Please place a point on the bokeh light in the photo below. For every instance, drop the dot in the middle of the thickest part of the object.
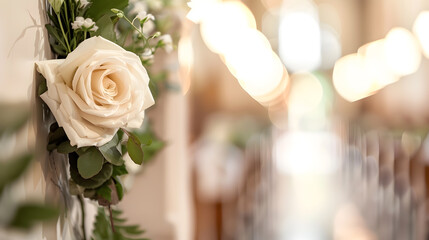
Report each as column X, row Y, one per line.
column 306, row 93
column 299, row 41
column 349, row 78
column 375, row 64
column 402, row 52
column 420, row 29
column 222, row 21
column 256, row 67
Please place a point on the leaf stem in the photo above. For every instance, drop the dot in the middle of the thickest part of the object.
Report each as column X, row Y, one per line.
column 111, row 218
column 64, row 34
column 82, row 208
column 67, row 18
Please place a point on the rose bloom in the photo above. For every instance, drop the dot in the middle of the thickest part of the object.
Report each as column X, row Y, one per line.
column 97, row 89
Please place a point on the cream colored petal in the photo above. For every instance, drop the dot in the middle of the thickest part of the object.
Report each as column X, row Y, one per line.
column 148, row 98
column 49, row 71
column 83, row 52
column 137, row 121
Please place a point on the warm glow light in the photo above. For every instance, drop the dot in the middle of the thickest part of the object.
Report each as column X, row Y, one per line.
column 186, row 60
column 331, row 47
column 229, row 29
column 402, row 52
column 251, row 60
column 299, row 41
column 375, row 64
column 350, row 79
column 420, row 28
column 200, row 9
column 306, row 93
column 293, row 156
column 221, row 23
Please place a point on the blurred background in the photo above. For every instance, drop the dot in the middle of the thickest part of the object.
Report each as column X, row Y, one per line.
column 308, row 119
column 295, row 119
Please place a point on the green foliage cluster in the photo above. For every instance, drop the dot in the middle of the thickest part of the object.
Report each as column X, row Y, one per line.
column 95, row 171
column 122, row 231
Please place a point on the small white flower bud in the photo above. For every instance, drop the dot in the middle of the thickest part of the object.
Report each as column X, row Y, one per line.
column 167, row 41
column 88, row 23
column 78, row 23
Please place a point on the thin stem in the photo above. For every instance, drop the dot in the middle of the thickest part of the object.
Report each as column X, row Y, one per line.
column 82, row 208
column 84, row 35
column 132, row 24
column 111, row 218
column 64, row 34
column 67, row 18
column 73, row 9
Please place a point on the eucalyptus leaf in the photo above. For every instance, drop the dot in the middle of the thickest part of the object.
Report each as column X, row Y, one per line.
column 90, row 163
column 119, row 170
column 57, row 136
column 66, row 147
column 111, row 152
column 105, row 192
column 135, row 149
column 95, row 181
column 30, row 213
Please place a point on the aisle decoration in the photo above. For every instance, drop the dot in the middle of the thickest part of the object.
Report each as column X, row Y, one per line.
column 98, row 90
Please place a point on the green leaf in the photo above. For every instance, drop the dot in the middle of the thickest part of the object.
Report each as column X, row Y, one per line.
column 54, row 33
column 30, row 213
column 134, row 149
column 151, row 144
column 105, row 192
column 152, row 149
column 42, row 87
column 56, row 5
column 11, row 169
column 82, row 150
column 111, row 153
column 131, row 229
column 102, row 229
column 90, row 163
column 106, row 28
column 56, row 136
column 94, row 182
column 66, row 147
column 102, row 7
column 119, row 170
column 119, row 188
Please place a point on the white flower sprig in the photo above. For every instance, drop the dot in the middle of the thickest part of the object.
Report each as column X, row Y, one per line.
column 85, row 24
column 166, row 42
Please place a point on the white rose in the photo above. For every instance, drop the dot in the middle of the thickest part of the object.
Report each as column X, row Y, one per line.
column 97, row 89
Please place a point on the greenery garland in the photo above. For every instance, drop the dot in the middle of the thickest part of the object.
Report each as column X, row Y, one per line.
column 96, row 171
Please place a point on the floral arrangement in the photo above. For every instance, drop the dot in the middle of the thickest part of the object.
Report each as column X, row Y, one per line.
column 98, row 90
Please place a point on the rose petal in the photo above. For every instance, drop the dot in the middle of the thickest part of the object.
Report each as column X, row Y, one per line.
column 83, row 52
